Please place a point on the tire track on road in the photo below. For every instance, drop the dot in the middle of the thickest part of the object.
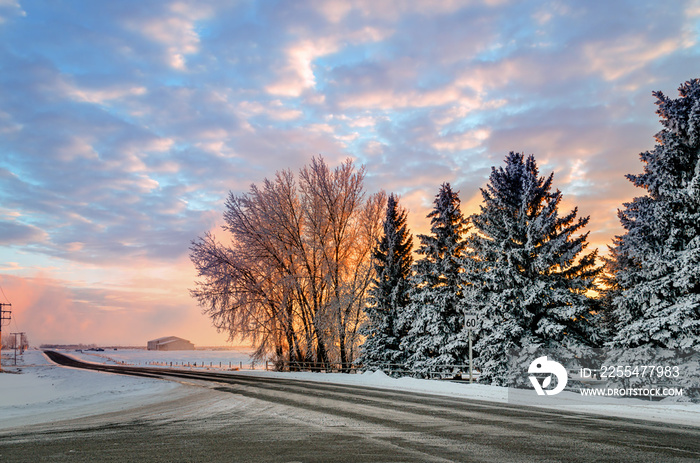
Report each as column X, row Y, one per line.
column 444, row 427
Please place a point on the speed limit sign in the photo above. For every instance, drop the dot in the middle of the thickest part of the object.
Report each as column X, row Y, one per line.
column 470, row 321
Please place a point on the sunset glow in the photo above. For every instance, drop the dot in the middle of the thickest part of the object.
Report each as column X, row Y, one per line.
column 124, row 125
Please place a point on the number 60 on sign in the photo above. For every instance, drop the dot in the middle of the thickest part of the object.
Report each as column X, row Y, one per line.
column 470, row 321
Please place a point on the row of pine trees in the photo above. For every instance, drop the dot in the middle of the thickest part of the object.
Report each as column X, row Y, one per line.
column 522, row 266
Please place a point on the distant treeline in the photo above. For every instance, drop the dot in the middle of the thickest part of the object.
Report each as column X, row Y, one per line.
column 85, row 346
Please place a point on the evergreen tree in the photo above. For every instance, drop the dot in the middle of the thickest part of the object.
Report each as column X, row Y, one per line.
column 526, row 278
column 388, row 295
column 656, row 262
column 609, row 291
column 436, row 320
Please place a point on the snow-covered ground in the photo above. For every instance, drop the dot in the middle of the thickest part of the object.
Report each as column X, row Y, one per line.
column 663, row 411
column 238, row 357
column 38, row 391
column 44, row 391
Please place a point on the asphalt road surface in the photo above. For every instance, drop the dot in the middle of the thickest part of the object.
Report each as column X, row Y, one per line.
column 232, row 418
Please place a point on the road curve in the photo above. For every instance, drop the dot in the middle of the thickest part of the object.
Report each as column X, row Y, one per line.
column 309, row 421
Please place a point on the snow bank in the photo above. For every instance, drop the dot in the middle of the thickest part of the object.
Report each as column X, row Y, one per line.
column 665, row 411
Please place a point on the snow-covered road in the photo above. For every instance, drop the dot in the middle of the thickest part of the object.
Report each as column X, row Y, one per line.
column 667, row 411
column 247, row 418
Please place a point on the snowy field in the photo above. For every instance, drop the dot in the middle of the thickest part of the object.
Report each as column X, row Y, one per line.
column 44, row 392
column 226, row 359
column 38, row 391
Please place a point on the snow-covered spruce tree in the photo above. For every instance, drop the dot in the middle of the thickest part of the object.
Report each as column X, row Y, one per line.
column 609, row 291
column 525, row 275
column 434, row 316
column 656, row 262
column 388, row 296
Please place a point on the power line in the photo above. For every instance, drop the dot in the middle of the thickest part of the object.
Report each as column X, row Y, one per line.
column 3, row 294
column 5, row 314
column 13, row 318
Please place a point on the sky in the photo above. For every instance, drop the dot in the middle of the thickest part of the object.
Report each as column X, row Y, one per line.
column 124, row 125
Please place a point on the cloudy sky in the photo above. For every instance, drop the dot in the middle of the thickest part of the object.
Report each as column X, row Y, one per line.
column 124, row 124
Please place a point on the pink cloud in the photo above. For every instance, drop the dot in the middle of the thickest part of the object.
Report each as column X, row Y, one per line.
column 629, row 53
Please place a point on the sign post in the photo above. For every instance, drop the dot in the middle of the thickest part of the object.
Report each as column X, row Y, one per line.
column 470, row 322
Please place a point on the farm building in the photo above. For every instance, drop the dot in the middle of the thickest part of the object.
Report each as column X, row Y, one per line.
column 170, row 343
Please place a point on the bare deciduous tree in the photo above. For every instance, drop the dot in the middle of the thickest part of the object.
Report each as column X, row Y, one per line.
column 294, row 278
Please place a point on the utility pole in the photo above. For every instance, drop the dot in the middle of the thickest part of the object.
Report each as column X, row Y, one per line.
column 4, row 315
column 21, row 344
